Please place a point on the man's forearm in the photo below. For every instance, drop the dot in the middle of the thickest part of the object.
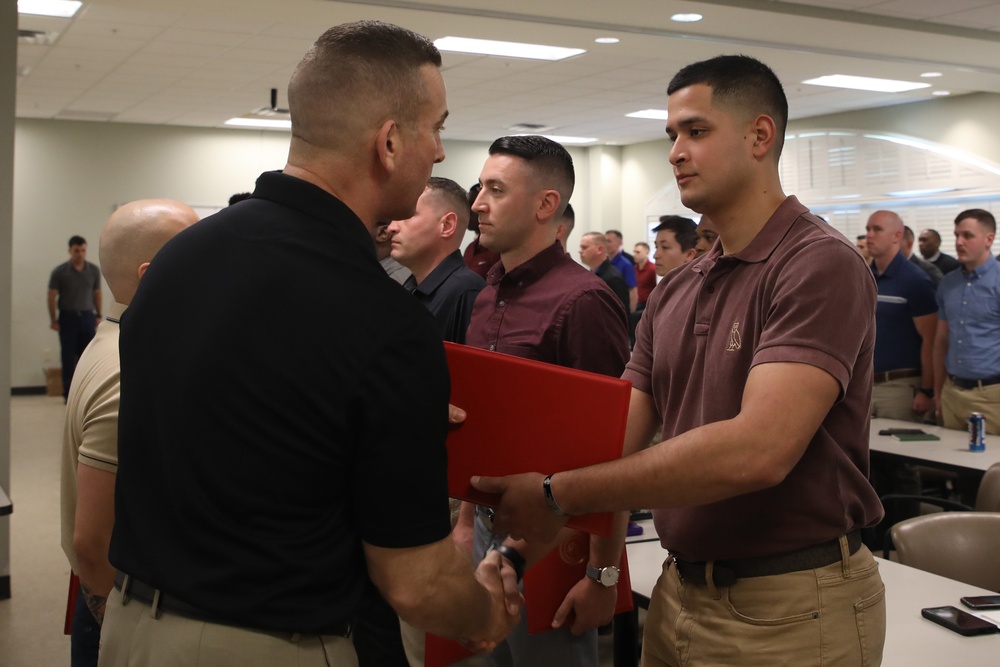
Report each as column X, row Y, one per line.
column 95, row 603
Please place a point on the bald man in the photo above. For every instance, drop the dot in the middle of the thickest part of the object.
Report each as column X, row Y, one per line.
column 130, row 238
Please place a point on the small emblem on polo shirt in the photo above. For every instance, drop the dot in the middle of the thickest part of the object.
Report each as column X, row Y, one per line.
column 734, row 338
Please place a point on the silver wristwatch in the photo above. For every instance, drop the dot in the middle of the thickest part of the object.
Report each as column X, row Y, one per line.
column 605, row 576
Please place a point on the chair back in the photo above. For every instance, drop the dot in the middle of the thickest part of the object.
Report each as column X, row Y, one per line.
column 988, row 497
column 958, row 545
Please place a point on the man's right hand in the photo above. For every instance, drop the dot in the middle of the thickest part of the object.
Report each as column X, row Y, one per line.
column 500, row 580
column 54, row 325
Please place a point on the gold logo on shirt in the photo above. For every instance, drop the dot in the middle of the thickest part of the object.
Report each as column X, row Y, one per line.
column 735, row 342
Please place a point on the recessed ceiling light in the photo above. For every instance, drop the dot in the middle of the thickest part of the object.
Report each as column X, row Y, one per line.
column 607, row 40
column 686, row 18
column 490, row 47
column 262, row 123
column 941, row 93
column 919, row 193
column 59, row 8
column 564, row 139
column 930, row 75
column 651, row 114
column 866, row 83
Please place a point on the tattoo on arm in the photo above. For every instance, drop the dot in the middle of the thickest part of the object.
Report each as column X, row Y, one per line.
column 95, row 603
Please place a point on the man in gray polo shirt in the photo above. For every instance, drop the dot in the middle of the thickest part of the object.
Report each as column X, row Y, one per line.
column 76, row 285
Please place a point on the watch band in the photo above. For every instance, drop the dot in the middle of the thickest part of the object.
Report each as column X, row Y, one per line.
column 926, row 391
column 605, row 576
column 510, row 553
column 550, row 500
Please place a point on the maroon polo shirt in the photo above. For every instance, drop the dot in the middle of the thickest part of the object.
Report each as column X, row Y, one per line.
column 551, row 309
column 645, row 281
column 479, row 258
column 801, row 293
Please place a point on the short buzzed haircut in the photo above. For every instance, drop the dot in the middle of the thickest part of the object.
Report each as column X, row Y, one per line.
column 742, row 84
column 569, row 218
column 614, row 232
column 473, row 216
column 551, row 162
column 934, row 232
column 598, row 237
column 862, row 237
column 77, row 240
column 985, row 218
column 454, row 197
column 908, row 233
column 685, row 230
column 643, row 244
column 357, row 76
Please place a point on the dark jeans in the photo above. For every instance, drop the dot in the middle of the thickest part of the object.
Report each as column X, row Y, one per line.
column 76, row 330
column 85, row 637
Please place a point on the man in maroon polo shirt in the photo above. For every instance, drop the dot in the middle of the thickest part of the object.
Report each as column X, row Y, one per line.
column 756, row 360
column 540, row 304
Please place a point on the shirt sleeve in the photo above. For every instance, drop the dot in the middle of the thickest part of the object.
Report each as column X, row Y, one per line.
column 822, row 316
column 401, row 485
column 939, row 298
column 54, row 279
column 628, row 272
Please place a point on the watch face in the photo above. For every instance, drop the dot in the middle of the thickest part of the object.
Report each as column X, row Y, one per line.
column 609, row 576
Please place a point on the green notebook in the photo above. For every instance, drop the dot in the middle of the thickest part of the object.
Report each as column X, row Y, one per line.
column 910, row 437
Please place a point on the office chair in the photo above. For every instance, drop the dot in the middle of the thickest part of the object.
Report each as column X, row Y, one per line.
column 958, row 545
column 987, row 500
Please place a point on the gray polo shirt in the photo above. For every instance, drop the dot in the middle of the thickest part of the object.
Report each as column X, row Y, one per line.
column 76, row 288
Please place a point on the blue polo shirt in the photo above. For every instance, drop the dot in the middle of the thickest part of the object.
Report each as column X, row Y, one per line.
column 620, row 262
column 904, row 292
column 970, row 303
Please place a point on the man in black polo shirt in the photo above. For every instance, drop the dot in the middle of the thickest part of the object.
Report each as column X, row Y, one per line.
column 427, row 244
column 76, row 285
column 261, row 486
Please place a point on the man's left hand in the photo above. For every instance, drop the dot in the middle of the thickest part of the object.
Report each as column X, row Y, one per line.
column 588, row 605
column 523, row 512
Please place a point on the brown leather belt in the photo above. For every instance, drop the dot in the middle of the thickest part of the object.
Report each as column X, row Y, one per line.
column 962, row 383
column 727, row 572
column 132, row 588
column 888, row 376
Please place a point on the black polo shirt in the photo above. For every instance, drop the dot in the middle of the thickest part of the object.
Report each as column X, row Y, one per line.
column 283, row 400
column 448, row 292
column 610, row 274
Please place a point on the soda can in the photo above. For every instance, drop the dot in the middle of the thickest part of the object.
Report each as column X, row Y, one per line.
column 977, row 432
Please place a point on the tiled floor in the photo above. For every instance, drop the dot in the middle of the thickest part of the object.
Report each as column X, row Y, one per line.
column 31, row 622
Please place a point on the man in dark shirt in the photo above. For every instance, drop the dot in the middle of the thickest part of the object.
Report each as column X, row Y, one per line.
column 929, row 243
column 625, row 263
column 427, row 244
column 760, row 376
column 478, row 257
column 594, row 255
column 261, row 486
column 76, row 285
column 540, row 304
column 906, row 247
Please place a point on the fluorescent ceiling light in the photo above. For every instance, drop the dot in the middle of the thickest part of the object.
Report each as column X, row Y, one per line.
column 930, row 75
column 489, row 47
column 686, row 18
column 919, row 193
column 607, row 40
column 866, row 83
column 941, row 93
column 651, row 114
column 59, row 8
column 562, row 139
column 264, row 123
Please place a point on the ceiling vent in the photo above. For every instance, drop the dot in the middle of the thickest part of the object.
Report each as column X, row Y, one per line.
column 36, row 37
column 530, row 128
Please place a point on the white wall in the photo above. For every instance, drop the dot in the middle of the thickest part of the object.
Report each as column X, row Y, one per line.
column 69, row 176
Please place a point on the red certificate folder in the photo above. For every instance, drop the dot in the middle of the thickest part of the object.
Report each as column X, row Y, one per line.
column 529, row 416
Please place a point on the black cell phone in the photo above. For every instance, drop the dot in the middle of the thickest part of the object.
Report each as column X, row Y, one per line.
column 959, row 621
column 982, row 602
column 901, row 431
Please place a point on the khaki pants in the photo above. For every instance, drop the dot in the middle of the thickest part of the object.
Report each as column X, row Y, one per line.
column 131, row 637
column 894, row 399
column 957, row 403
column 833, row 615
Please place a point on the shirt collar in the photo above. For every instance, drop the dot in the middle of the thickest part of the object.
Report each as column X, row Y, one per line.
column 983, row 269
column 529, row 271
column 114, row 312
column 448, row 266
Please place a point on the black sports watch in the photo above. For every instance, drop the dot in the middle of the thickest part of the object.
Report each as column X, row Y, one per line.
column 511, row 554
column 605, row 576
column 926, row 391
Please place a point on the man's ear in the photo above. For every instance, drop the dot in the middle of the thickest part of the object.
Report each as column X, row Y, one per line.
column 449, row 224
column 387, row 145
column 548, row 204
column 764, row 130
column 142, row 269
column 690, row 255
